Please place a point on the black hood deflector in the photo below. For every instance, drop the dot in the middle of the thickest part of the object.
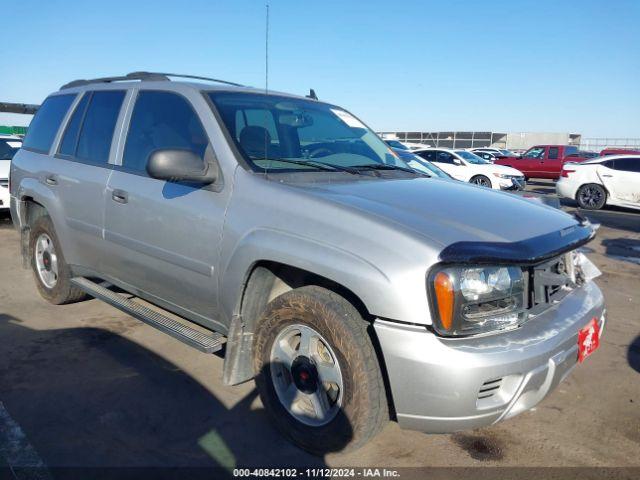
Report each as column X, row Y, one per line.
column 526, row 252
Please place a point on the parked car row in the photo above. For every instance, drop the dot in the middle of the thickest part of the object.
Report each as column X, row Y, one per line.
column 408, row 146
column 468, row 167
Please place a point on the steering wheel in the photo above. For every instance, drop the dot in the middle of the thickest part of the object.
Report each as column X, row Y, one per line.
column 320, row 152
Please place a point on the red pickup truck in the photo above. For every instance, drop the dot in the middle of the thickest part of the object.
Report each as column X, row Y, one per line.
column 545, row 161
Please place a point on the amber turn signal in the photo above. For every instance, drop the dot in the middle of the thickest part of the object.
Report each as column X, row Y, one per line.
column 443, row 287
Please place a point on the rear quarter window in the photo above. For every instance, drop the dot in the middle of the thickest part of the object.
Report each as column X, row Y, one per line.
column 630, row 164
column 46, row 122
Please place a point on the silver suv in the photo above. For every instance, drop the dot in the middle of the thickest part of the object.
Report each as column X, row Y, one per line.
column 351, row 287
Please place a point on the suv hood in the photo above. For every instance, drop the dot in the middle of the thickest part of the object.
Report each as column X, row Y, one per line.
column 446, row 212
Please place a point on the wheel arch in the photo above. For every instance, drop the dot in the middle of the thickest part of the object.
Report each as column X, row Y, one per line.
column 481, row 175
column 264, row 281
column 29, row 210
column 604, row 187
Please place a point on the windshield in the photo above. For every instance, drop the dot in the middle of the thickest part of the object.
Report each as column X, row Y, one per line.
column 302, row 133
column 471, row 157
column 8, row 148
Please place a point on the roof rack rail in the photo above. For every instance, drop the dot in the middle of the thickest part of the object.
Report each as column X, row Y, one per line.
column 194, row 77
column 142, row 76
column 130, row 76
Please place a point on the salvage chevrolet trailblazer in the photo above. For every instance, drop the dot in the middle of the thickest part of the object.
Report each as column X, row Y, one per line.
column 351, row 287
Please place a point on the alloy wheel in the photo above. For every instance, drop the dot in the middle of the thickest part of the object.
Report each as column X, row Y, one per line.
column 46, row 260
column 306, row 375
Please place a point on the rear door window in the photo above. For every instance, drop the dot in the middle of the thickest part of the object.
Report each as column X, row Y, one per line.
column 162, row 120
column 46, row 123
column 631, row 164
column 553, row 153
column 89, row 133
column 97, row 128
column 429, row 155
column 444, row 157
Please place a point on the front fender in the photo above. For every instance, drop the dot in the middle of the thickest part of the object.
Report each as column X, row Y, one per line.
column 351, row 271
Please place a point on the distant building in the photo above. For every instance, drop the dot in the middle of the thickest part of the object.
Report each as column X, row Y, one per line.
column 514, row 141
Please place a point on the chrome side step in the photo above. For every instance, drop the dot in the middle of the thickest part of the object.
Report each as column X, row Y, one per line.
column 207, row 343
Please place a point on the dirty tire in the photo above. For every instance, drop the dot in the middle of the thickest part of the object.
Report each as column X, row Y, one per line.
column 481, row 181
column 63, row 291
column 591, row 196
column 364, row 409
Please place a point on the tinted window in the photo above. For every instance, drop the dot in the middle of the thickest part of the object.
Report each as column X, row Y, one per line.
column 70, row 137
column 570, row 149
column 553, row 153
column 8, row 148
column 444, row 157
column 162, row 120
column 428, row 155
column 631, row 164
column 46, row 122
column 535, row 152
column 98, row 125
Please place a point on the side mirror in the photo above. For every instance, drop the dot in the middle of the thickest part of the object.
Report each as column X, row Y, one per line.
column 177, row 165
column 457, row 161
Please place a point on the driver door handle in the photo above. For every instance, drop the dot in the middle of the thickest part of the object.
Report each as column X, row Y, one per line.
column 607, row 176
column 120, row 196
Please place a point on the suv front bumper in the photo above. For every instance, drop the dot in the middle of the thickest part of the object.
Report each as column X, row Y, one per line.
column 444, row 385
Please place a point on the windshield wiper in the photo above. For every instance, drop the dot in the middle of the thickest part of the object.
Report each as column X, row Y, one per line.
column 315, row 163
column 386, row 166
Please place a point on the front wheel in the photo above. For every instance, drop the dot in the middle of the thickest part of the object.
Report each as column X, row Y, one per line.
column 481, row 180
column 591, row 196
column 317, row 373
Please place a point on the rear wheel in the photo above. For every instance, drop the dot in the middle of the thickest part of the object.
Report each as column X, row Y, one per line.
column 481, row 180
column 591, row 196
column 317, row 372
column 51, row 272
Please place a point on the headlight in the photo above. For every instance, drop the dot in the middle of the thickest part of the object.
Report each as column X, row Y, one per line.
column 500, row 175
column 468, row 301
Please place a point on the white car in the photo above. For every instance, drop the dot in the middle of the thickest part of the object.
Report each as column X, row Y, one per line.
column 468, row 167
column 613, row 180
column 9, row 145
column 488, row 156
column 409, row 146
column 494, row 151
